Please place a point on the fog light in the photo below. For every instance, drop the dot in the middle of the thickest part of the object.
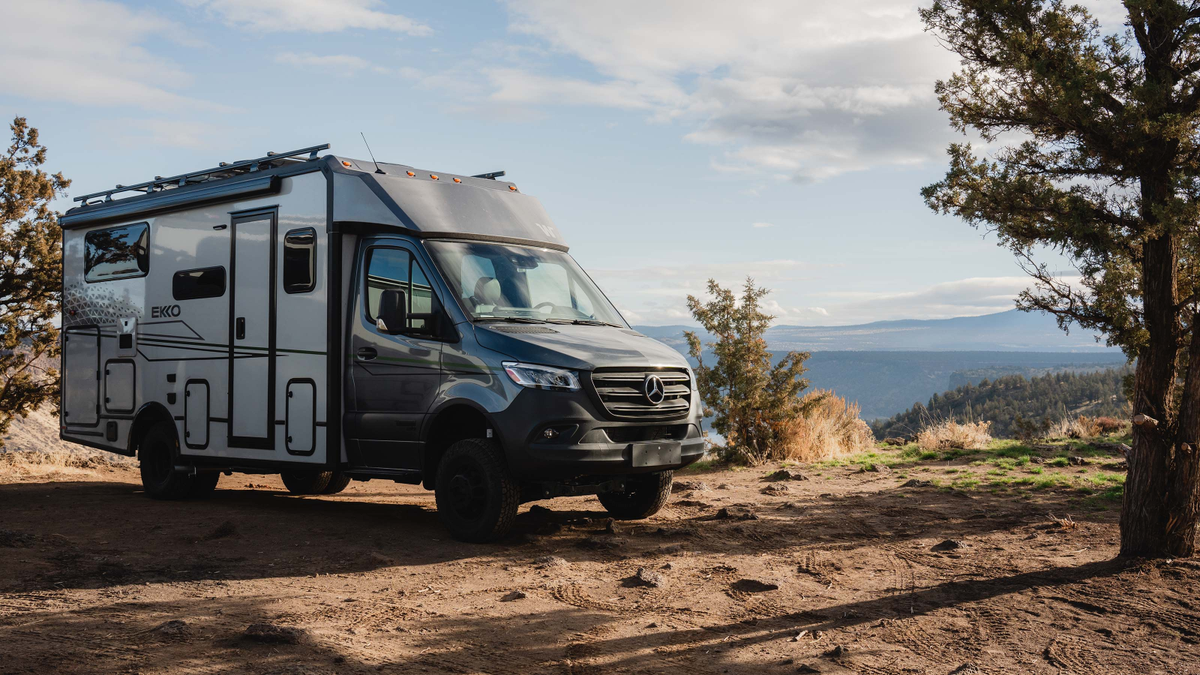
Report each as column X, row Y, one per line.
column 550, row 434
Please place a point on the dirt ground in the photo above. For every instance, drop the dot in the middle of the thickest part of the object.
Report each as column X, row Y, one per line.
column 844, row 571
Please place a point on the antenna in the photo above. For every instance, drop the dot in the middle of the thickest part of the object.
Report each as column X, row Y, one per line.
column 377, row 169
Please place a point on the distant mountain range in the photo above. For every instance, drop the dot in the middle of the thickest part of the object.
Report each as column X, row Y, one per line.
column 1011, row 331
column 888, row 366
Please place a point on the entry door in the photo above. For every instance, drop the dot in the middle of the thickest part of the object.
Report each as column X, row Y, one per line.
column 252, row 331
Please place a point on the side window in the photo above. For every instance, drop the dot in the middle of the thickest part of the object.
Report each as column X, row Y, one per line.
column 208, row 282
column 387, row 269
column 300, row 260
column 421, row 299
column 117, row 253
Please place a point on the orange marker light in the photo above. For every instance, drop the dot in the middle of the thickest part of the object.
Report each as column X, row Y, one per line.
column 512, row 187
column 457, row 180
column 433, row 176
column 410, row 173
column 345, row 163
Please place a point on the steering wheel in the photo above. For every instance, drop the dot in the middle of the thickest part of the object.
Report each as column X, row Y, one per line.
column 549, row 304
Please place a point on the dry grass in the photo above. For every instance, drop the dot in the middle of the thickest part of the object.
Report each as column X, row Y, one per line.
column 38, row 464
column 950, row 435
column 1083, row 427
column 830, row 429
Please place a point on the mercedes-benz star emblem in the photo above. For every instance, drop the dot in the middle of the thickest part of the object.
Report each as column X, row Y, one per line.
column 652, row 387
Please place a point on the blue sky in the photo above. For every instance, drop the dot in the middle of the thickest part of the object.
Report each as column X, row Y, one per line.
column 671, row 141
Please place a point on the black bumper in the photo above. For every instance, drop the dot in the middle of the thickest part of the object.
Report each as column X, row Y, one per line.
column 584, row 444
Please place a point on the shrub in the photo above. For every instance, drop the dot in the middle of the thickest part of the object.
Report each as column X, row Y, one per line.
column 828, row 428
column 948, row 434
column 1111, row 425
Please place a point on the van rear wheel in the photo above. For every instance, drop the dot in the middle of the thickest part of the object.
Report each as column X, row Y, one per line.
column 337, row 482
column 306, row 482
column 156, row 456
column 643, row 496
column 476, row 497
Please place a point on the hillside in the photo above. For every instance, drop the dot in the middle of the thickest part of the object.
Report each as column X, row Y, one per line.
column 1049, row 397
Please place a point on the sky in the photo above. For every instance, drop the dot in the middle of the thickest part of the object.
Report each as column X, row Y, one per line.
column 672, row 141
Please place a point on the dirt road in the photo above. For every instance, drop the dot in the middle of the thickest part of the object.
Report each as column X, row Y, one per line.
column 846, row 571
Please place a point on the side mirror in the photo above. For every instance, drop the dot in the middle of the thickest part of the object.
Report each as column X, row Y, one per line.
column 393, row 312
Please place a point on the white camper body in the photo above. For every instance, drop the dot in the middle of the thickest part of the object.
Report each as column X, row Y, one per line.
column 221, row 321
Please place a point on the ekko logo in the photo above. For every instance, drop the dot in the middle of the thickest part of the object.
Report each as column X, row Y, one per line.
column 164, row 312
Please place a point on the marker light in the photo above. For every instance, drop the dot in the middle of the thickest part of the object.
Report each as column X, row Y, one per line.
column 345, row 163
column 433, row 176
column 512, row 187
column 410, row 173
column 457, row 180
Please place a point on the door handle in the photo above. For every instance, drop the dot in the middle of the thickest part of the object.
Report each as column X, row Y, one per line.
column 367, row 353
column 240, row 328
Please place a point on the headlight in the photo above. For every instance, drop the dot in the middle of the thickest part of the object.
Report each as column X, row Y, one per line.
column 541, row 377
column 692, row 377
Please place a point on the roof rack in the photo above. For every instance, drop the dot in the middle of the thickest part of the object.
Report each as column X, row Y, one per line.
column 225, row 170
column 493, row 175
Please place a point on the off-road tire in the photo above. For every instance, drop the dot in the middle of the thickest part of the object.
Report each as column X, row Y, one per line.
column 643, row 496
column 306, row 482
column 337, row 483
column 156, row 455
column 204, row 484
column 477, row 498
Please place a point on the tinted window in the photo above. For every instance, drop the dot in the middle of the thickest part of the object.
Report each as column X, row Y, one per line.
column 208, row 282
column 387, row 269
column 117, row 253
column 300, row 260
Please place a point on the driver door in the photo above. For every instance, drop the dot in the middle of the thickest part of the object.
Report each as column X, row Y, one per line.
column 395, row 377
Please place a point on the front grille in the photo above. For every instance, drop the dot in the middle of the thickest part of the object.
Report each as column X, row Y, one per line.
column 621, row 391
column 675, row 432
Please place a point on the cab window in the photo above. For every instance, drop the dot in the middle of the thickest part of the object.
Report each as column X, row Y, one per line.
column 397, row 269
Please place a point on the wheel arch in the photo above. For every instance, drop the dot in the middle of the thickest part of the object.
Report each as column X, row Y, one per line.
column 145, row 418
column 452, row 422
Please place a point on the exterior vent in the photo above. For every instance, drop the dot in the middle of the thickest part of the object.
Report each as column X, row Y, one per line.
column 622, row 391
column 522, row 329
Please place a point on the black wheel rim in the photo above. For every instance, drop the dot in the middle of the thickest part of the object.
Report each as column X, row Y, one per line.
column 467, row 490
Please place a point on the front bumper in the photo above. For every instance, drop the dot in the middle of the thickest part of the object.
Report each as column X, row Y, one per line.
column 587, row 441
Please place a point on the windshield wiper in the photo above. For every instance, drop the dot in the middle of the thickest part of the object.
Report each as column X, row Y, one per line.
column 510, row 319
column 584, row 322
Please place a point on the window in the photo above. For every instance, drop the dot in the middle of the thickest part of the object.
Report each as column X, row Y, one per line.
column 300, row 260
column 117, row 253
column 208, row 282
column 392, row 269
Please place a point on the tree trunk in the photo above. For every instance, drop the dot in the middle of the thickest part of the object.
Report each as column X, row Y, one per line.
column 1158, row 517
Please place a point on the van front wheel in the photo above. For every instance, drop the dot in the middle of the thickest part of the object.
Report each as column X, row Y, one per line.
column 642, row 497
column 306, row 482
column 476, row 497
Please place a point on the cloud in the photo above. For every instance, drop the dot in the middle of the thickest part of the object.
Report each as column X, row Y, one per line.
column 796, row 90
column 762, row 225
column 310, row 16
column 160, row 132
column 90, row 52
column 964, row 297
column 345, row 63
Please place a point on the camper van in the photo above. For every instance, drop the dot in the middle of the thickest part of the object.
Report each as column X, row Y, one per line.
column 329, row 319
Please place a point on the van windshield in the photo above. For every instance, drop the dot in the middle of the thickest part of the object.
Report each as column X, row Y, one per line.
column 502, row 282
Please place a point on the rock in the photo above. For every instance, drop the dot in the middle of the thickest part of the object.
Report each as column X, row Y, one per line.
column 806, row 668
column 515, row 595
column 11, row 539
column 875, row 468
column 723, row 486
column 784, row 474
column 914, row 483
column 600, row 542
column 1077, row 461
column 835, row 653
column 267, row 633
column 550, row 561
column 734, row 514
column 173, row 628
column 966, row 669
column 948, row 545
column 894, row 440
column 648, row 577
column 776, row 490
column 688, row 485
column 225, row 529
column 754, row 586
column 610, row 526
column 1035, row 459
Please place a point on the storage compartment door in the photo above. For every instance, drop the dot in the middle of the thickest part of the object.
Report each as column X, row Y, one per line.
column 81, row 363
column 119, row 384
column 301, row 417
column 195, row 414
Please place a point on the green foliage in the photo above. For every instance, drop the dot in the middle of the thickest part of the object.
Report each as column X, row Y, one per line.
column 30, row 276
column 752, row 401
column 1012, row 403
